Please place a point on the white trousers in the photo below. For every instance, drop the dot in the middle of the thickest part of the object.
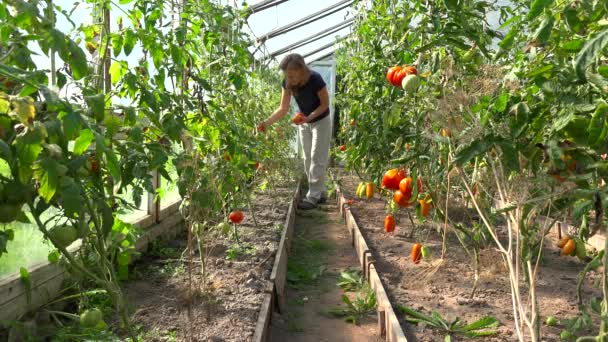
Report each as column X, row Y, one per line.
column 315, row 138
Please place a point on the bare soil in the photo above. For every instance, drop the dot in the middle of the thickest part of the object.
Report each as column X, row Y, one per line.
column 447, row 289
column 225, row 306
column 306, row 317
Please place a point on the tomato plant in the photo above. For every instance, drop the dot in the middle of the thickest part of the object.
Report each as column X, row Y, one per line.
column 514, row 110
column 71, row 156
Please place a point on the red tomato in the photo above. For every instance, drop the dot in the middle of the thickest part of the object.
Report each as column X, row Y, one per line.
column 94, row 164
column 352, row 122
column 391, row 72
column 343, row 148
column 410, row 70
column 236, row 217
column 398, row 77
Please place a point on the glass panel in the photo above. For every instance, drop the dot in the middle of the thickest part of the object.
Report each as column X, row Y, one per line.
column 132, row 215
column 168, row 191
column 27, row 248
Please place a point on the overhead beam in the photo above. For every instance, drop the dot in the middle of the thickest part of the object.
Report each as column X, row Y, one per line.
column 306, row 20
column 263, row 5
column 313, row 38
column 338, row 40
column 322, row 57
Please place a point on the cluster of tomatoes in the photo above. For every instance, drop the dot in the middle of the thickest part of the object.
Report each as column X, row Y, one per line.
column 397, row 74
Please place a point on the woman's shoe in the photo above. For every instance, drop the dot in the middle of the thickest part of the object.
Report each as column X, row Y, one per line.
column 305, row 205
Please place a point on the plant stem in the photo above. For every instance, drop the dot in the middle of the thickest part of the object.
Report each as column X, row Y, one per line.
column 603, row 323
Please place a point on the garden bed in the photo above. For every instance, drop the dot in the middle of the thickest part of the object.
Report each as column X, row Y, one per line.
column 448, row 290
column 228, row 304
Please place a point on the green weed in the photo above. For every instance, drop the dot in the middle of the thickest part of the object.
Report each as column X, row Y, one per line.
column 364, row 304
column 237, row 250
column 480, row 328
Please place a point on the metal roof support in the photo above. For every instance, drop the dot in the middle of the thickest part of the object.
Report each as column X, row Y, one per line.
column 322, row 57
column 307, row 20
column 313, row 37
column 325, row 46
column 263, row 5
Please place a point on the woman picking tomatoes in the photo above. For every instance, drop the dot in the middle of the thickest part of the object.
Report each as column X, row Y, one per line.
column 314, row 127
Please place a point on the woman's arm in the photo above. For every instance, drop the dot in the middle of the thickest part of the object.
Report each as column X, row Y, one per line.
column 324, row 98
column 281, row 111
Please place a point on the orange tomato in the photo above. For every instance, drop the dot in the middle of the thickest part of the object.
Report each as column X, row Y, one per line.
column 569, row 247
column 425, row 205
column 405, row 186
column 298, row 118
column 389, row 224
column 369, row 190
column 389, row 179
column 562, row 242
column 401, row 199
column 416, row 252
column 352, row 122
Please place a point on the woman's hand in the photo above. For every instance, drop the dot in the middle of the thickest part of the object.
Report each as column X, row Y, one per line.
column 305, row 120
column 262, row 126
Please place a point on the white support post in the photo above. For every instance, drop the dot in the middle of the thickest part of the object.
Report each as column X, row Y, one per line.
column 154, row 205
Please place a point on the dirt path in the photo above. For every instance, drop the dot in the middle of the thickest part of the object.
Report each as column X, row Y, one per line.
column 321, row 250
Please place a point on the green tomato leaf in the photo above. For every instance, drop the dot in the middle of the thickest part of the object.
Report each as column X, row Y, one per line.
column 537, row 7
column 573, row 46
column 70, row 194
column 27, row 155
column 129, row 42
column 469, row 151
column 597, row 124
column 590, row 52
column 117, row 42
column 71, row 124
column 113, row 166
column 47, row 173
column 83, row 142
column 27, row 282
column 77, row 60
column 117, row 70
column 542, row 35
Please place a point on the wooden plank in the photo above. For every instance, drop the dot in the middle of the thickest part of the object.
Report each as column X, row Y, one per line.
column 263, row 323
column 289, row 226
column 393, row 328
column 157, row 230
column 279, row 269
column 42, row 292
column 278, row 275
column 381, row 322
column 387, row 320
column 169, row 210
